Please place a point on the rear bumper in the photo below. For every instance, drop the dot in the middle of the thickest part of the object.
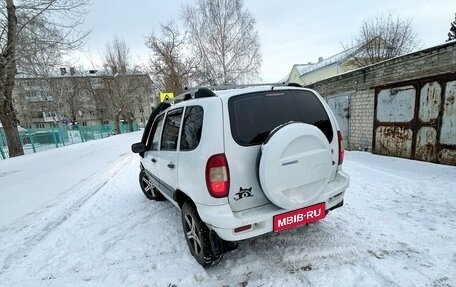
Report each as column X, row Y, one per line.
column 222, row 220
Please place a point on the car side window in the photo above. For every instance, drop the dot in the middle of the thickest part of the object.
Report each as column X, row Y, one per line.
column 191, row 130
column 154, row 135
column 171, row 129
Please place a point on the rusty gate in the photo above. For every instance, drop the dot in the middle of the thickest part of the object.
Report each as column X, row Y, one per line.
column 340, row 106
column 417, row 119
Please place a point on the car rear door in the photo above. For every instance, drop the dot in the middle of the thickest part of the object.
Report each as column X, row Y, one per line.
column 252, row 117
column 150, row 156
column 168, row 154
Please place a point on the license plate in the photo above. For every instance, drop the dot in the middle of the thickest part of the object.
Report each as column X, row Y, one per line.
column 299, row 217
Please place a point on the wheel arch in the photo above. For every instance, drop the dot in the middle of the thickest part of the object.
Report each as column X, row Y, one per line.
column 180, row 197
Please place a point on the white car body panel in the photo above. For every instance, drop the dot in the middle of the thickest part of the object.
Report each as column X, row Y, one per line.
column 192, row 164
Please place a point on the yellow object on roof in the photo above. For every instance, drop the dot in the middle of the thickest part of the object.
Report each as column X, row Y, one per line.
column 166, row 96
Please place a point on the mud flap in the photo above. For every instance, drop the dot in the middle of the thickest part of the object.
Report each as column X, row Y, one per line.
column 340, row 204
column 220, row 246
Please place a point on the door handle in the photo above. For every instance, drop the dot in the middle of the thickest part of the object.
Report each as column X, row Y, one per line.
column 153, row 159
column 171, row 165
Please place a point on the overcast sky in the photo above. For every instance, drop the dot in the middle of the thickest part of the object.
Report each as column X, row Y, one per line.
column 291, row 31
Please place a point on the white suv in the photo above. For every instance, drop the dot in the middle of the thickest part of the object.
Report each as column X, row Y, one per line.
column 243, row 162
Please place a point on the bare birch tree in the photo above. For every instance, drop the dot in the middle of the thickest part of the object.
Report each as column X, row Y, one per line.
column 30, row 32
column 123, row 83
column 172, row 66
column 70, row 96
column 382, row 38
column 224, row 33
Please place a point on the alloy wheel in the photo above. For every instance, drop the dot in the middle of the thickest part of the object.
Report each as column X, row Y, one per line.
column 192, row 234
column 148, row 187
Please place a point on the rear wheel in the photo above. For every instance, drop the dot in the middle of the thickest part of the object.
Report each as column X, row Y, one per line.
column 197, row 235
column 149, row 190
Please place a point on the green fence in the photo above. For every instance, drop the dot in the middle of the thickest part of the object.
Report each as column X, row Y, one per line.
column 36, row 140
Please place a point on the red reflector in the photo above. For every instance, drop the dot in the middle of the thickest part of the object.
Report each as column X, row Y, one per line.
column 341, row 147
column 217, row 176
column 242, row 228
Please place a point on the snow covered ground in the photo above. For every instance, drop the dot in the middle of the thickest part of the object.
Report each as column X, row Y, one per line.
column 75, row 216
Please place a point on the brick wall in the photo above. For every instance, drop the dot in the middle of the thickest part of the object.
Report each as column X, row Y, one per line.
column 438, row 60
column 361, row 120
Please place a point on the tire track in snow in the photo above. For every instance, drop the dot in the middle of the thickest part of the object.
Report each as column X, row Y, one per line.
column 323, row 248
column 16, row 225
column 315, row 247
column 29, row 242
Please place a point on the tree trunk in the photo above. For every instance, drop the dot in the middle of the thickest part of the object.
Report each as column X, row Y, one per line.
column 131, row 120
column 8, row 115
column 117, row 123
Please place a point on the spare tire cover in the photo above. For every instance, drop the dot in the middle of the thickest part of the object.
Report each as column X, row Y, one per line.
column 294, row 165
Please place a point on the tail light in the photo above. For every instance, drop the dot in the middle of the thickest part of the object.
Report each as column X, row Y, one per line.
column 217, row 176
column 341, row 147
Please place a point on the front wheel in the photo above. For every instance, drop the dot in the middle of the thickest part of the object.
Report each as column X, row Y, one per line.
column 148, row 188
column 197, row 235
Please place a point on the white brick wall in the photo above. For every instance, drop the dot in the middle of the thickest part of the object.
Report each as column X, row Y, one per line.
column 361, row 120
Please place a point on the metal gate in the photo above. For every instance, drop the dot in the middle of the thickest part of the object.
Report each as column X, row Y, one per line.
column 417, row 119
column 340, row 106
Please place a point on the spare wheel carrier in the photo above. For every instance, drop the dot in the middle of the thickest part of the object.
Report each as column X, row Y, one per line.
column 294, row 165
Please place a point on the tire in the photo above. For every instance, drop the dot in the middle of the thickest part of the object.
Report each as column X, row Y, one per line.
column 148, row 188
column 196, row 234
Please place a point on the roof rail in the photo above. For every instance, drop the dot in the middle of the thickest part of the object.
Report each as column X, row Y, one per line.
column 233, row 86
column 202, row 92
column 207, row 91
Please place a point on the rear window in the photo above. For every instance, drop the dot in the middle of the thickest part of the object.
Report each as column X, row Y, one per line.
column 253, row 116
